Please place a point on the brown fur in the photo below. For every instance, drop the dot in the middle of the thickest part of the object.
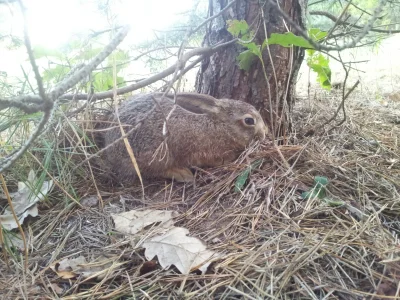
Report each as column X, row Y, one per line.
column 202, row 132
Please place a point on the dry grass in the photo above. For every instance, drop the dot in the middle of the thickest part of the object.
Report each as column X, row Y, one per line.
column 276, row 244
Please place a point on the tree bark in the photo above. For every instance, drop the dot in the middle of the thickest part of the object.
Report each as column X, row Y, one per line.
column 221, row 77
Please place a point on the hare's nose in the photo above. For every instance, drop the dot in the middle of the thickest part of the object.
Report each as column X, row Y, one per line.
column 263, row 134
column 260, row 135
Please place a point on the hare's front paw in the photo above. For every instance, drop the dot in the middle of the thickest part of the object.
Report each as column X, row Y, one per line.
column 180, row 174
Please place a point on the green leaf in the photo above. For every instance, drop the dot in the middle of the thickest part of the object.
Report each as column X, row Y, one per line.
column 310, row 52
column 241, row 29
column 320, row 65
column 288, row 39
column 318, row 190
column 246, row 59
column 255, row 49
column 242, row 178
column 321, row 180
column 316, row 34
column 237, row 28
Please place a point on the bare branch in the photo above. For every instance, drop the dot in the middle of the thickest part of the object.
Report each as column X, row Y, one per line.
column 61, row 88
column 341, row 22
column 9, row 160
column 205, row 51
column 192, row 65
column 365, row 29
column 26, row 108
column 359, row 8
column 48, row 104
column 68, row 83
column 71, row 80
column 316, row 2
column 341, row 106
column 339, row 19
column 214, row 16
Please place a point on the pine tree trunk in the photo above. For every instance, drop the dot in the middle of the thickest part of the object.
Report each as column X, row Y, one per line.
column 221, row 77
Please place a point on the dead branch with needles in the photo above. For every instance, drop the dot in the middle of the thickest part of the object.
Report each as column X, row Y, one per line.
column 48, row 100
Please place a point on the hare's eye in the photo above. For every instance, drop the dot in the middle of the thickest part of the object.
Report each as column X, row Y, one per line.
column 250, row 121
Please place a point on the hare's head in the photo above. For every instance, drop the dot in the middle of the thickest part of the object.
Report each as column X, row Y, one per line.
column 230, row 117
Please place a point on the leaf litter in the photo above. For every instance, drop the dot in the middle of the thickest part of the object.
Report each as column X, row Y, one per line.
column 172, row 246
column 176, row 248
column 25, row 201
column 131, row 222
column 69, row 268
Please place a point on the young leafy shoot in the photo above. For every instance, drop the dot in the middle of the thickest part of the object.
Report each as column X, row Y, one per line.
column 316, row 34
column 242, row 178
column 288, row 39
column 246, row 60
column 240, row 29
column 316, row 61
column 318, row 190
column 320, row 65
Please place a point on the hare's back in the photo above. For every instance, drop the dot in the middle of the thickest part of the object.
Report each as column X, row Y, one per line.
column 136, row 107
column 140, row 114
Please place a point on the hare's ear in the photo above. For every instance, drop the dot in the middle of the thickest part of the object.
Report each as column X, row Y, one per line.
column 198, row 103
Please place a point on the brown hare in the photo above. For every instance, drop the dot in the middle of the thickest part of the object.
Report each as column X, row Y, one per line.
column 200, row 132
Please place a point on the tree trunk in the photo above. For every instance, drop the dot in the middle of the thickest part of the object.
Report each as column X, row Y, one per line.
column 221, row 77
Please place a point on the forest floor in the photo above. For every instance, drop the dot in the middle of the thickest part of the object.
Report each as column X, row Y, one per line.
column 270, row 238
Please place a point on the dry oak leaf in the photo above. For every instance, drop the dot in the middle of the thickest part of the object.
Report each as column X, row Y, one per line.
column 176, row 248
column 131, row 222
column 67, row 267
column 56, row 288
column 24, row 201
column 73, row 267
